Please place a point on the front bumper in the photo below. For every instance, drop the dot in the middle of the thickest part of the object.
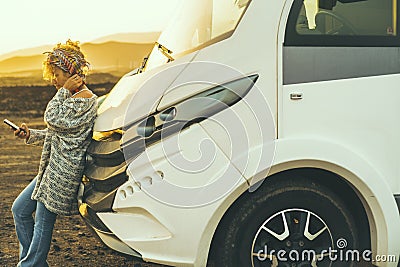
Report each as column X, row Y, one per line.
column 101, row 231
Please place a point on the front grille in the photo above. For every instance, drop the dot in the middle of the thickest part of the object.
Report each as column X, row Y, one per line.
column 105, row 179
column 99, row 201
column 105, row 171
column 106, row 153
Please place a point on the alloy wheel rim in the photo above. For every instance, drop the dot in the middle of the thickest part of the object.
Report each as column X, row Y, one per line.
column 293, row 238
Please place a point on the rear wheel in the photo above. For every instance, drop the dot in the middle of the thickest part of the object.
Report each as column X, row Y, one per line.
column 287, row 223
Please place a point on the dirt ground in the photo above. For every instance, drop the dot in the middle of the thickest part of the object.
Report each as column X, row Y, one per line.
column 72, row 244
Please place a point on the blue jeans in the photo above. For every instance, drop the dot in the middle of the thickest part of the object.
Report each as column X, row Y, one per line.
column 34, row 235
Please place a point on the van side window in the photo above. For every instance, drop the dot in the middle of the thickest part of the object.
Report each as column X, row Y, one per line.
column 343, row 23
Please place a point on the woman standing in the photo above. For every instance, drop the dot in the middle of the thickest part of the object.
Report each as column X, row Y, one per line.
column 69, row 117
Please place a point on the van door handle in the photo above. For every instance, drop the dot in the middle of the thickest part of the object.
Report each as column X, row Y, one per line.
column 296, row 96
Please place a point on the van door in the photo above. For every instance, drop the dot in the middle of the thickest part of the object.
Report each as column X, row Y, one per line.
column 341, row 78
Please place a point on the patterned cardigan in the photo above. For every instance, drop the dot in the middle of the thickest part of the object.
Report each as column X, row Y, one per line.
column 65, row 141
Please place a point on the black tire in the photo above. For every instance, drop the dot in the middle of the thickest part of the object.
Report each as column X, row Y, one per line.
column 240, row 232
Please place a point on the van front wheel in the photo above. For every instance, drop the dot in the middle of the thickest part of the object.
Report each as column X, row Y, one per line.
column 288, row 223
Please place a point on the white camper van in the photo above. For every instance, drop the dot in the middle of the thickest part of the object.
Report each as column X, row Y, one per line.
column 257, row 133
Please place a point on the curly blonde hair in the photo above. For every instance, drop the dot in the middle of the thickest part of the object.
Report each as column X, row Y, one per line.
column 67, row 57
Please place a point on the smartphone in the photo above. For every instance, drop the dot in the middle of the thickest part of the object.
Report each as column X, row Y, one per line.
column 12, row 125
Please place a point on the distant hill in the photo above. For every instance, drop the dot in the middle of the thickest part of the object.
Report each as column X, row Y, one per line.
column 130, row 37
column 21, row 63
column 26, row 52
column 109, row 56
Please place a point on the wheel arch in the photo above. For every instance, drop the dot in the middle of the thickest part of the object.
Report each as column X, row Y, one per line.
column 322, row 178
column 364, row 184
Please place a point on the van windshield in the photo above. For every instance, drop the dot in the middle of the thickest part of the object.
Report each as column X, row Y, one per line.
column 196, row 24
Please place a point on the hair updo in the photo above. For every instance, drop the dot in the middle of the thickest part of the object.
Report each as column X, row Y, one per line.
column 67, row 57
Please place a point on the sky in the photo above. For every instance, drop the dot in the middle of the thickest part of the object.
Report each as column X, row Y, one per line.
column 31, row 23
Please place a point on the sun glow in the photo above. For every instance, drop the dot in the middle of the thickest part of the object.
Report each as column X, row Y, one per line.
column 26, row 23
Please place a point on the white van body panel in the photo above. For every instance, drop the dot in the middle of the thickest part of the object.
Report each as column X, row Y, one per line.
column 359, row 113
column 151, row 216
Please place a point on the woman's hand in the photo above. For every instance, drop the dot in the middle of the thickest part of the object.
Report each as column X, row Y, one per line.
column 22, row 134
column 73, row 83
